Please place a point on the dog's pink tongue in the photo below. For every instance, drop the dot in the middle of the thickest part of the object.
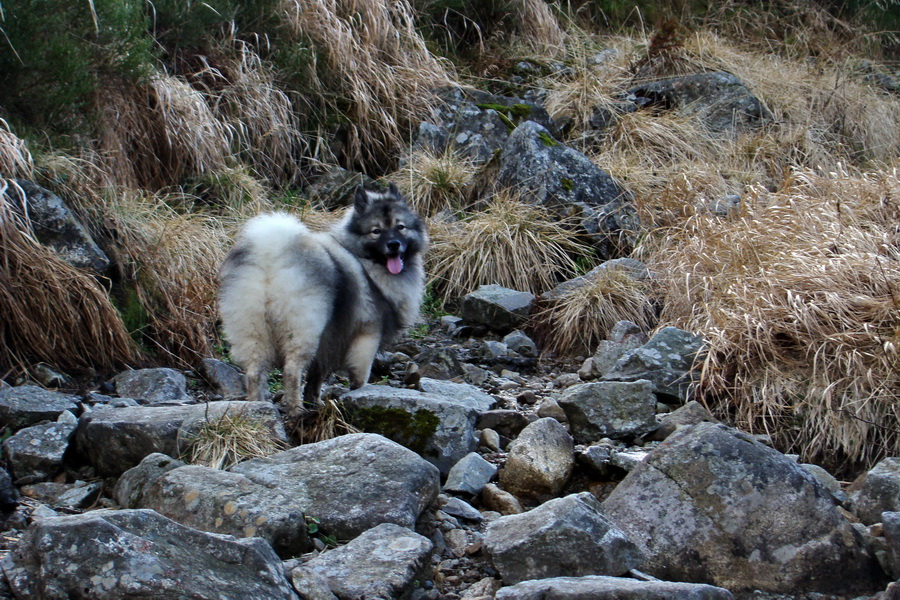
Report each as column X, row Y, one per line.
column 395, row 265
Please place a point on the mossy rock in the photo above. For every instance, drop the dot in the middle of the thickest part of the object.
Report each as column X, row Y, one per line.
column 413, row 430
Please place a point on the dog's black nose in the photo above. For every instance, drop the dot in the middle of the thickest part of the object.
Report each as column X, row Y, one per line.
column 393, row 246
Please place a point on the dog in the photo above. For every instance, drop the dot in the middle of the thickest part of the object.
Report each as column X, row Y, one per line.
column 315, row 302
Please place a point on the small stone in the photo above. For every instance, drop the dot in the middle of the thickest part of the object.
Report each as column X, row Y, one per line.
column 500, row 500
column 490, row 439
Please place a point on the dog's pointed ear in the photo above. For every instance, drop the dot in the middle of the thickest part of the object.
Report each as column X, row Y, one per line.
column 360, row 199
column 394, row 191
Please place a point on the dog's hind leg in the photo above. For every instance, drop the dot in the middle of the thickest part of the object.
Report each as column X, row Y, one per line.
column 295, row 364
column 257, row 375
column 360, row 357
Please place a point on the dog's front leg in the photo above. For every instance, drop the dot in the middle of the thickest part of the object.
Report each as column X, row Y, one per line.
column 360, row 357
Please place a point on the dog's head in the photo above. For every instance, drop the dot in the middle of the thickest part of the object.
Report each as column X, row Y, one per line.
column 386, row 230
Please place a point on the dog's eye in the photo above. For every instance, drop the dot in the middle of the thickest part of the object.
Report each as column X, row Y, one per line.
column 400, row 226
column 376, row 231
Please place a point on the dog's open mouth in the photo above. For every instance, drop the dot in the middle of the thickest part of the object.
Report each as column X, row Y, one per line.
column 395, row 264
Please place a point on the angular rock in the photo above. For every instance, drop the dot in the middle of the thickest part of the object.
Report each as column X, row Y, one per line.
column 439, row 428
column 36, row 453
column 78, row 495
column 719, row 99
column 566, row 536
column 462, row 509
column 116, row 439
column 350, row 483
column 520, row 343
column 540, row 461
column 461, row 393
column 383, row 562
column 746, row 515
column 876, row 491
column 132, row 486
column 57, row 227
column 609, row 409
column 497, row 307
column 567, row 183
column 222, row 502
column 597, row 587
column 469, row 475
column 29, row 405
column 225, row 379
column 139, row 554
column 153, row 386
column 500, row 501
column 667, row 360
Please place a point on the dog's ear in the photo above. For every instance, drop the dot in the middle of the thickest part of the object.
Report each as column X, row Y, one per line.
column 394, row 191
column 361, row 199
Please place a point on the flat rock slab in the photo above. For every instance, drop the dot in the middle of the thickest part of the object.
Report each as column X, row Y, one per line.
column 139, row 554
column 496, row 307
column 27, row 405
column 566, row 536
column 350, row 483
column 609, row 588
column 384, row 562
column 116, row 439
column 153, row 386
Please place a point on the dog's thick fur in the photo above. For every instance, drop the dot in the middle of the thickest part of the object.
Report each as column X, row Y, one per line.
column 313, row 303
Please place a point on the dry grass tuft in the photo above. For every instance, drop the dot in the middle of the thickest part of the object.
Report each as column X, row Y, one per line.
column 537, row 26
column 327, row 423
column 230, row 439
column 15, row 159
column 798, row 300
column 52, row 312
column 577, row 321
column 373, row 67
column 511, row 243
column 435, row 182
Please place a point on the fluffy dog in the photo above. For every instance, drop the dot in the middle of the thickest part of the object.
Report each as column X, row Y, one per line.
column 313, row 303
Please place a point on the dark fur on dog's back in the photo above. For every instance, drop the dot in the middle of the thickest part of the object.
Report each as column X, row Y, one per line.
column 316, row 302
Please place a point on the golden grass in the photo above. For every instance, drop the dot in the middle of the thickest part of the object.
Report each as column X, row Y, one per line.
column 798, row 301
column 225, row 441
column 52, row 311
column 375, row 69
column 435, row 182
column 537, row 26
column 577, row 321
column 15, row 159
column 326, row 423
column 511, row 243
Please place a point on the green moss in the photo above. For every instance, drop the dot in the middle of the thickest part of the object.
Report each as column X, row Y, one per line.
column 567, row 184
column 511, row 115
column 411, row 430
column 548, row 141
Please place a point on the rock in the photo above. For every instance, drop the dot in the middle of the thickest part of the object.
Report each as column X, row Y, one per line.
column 438, row 363
column 506, row 422
column 36, row 453
column 609, row 588
column 27, row 405
column 9, row 495
column 439, row 428
column 225, row 379
column 490, row 439
column 568, row 183
column 633, row 268
column 501, row 501
column 222, row 502
column 520, row 343
column 719, row 99
column 550, row 409
column 749, row 518
column 57, row 227
column 469, row 475
column 562, row 537
column 891, row 525
column 540, row 461
column 497, row 307
column 462, row 509
column 461, row 393
column 627, row 460
column 78, row 495
column 383, row 562
column 153, row 386
column 139, row 553
column 350, row 483
column 132, row 486
column 625, row 332
column 609, row 409
column 116, row 439
column 828, row 481
column 48, row 377
column 667, row 360
column 876, row 491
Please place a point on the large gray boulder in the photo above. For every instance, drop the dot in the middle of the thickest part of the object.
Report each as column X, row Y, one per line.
column 57, row 227
column 563, row 537
column 720, row 100
column 667, row 360
column 386, row 561
column 350, row 483
column 27, row 405
column 497, row 308
column 116, row 439
column 36, row 453
column 877, row 491
column 568, row 183
column 609, row 409
column 110, row 555
column 440, row 428
column 221, row 502
column 598, row 587
column 712, row 505
column 540, row 461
